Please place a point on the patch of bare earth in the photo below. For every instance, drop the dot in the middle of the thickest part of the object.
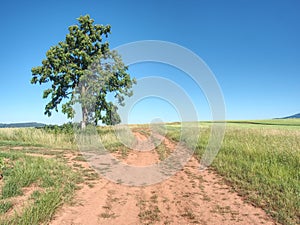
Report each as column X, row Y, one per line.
column 190, row 196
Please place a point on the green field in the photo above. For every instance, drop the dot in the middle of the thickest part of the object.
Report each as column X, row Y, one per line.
column 259, row 159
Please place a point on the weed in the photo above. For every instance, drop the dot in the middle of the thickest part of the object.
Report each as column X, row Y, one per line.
column 162, row 151
column 150, row 215
column 153, row 198
column 188, row 214
column 107, row 215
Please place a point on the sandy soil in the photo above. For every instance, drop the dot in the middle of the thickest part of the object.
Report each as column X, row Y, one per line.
column 189, row 197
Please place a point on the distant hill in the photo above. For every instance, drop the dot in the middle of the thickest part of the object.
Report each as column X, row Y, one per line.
column 30, row 124
column 292, row 117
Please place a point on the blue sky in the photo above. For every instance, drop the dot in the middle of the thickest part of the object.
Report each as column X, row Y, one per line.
column 252, row 47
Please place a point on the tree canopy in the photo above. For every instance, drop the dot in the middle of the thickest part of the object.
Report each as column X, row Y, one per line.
column 82, row 69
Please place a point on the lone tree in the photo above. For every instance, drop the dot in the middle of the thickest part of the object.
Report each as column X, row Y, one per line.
column 82, row 69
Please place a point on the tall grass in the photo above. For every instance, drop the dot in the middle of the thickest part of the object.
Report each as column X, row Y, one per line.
column 109, row 137
column 35, row 137
column 262, row 164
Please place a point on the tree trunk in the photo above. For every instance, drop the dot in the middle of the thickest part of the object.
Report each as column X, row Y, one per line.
column 84, row 110
column 84, row 118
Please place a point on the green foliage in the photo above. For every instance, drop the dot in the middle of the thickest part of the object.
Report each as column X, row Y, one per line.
column 105, row 75
column 82, row 69
column 66, row 128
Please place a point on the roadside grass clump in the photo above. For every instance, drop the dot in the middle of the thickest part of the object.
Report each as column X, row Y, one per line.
column 53, row 178
column 162, row 151
column 261, row 162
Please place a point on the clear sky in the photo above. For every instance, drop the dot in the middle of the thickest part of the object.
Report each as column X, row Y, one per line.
column 252, row 47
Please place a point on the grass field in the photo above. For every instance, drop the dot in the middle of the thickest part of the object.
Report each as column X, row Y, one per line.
column 259, row 159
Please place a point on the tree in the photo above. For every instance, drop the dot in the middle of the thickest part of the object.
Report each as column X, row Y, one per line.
column 82, row 69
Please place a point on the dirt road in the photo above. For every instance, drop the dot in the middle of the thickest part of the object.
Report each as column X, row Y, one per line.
column 190, row 196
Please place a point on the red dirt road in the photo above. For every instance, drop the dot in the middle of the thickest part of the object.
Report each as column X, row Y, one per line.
column 189, row 197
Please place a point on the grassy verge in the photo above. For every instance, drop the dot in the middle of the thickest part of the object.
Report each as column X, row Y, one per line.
column 33, row 188
column 261, row 163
